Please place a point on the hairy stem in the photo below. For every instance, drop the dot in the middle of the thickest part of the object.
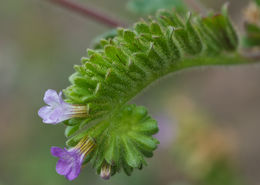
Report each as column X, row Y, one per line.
column 89, row 12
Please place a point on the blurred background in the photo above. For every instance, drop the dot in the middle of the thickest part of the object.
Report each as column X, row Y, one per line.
column 208, row 118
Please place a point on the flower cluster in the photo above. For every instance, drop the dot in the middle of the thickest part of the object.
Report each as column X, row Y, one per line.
column 112, row 75
column 70, row 160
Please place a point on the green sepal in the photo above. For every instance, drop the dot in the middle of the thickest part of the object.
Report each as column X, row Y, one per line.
column 122, row 140
column 70, row 130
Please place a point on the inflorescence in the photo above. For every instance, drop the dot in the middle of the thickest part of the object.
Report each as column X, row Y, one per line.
column 121, row 136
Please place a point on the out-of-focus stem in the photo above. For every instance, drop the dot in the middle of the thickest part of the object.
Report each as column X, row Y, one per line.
column 85, row 11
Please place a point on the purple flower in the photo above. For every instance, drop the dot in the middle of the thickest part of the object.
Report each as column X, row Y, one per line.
column 57, row 110
column 70, row 160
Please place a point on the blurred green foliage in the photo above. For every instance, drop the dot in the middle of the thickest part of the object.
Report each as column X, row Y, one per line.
column 252, row 25
column 252, row 37
column 151, row 6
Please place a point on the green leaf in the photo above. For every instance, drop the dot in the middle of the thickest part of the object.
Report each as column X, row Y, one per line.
column 111, row 76
column 70, row 130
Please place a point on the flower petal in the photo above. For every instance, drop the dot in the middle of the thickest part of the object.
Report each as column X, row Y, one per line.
column 57, row 115
column 46, row 110
column 51, row 97
column 63, row 167
column 74, row 173
column 45, row 113
column 57, row 151
column 61, row 101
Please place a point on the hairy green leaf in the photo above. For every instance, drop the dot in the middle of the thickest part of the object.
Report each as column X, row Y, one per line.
column 111, row 76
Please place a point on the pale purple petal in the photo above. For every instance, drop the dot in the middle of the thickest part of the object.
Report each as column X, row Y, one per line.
column 69, row 163
column 57, row 151
column 60, row 98
column 74, row 172
column 51, row 97
column 44, row 112
column 50, row 115
column 57, row 115
column 57, row 111
column 63, row 167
